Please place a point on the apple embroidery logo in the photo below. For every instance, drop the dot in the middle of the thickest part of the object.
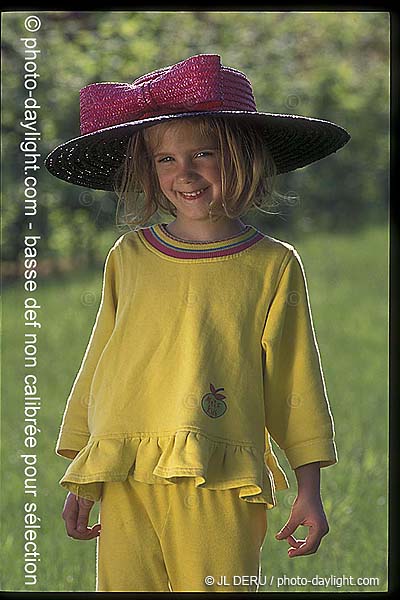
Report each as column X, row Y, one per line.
column 213, row 402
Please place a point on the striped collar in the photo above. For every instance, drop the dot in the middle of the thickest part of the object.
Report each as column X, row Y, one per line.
column 158, row 239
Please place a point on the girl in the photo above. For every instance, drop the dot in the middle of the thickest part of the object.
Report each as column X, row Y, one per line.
column 203, row 346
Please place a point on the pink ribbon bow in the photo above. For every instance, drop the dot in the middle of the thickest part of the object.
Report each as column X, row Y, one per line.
column 195, row 84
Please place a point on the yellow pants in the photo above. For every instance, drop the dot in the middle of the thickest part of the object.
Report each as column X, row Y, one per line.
column 163, row 538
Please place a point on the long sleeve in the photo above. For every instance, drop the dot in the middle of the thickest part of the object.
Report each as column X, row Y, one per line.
column 297, row 412
column 74, row 432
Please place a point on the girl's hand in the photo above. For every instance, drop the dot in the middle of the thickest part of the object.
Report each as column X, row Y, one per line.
column 76, row 516
column 306, row 511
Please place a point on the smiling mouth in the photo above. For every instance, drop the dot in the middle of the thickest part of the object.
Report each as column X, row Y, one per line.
column 192, row 195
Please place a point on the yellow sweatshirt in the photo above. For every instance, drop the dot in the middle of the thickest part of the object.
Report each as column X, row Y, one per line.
column 199, row 353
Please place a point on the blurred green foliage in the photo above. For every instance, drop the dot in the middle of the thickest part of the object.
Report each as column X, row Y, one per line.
column 328, row 65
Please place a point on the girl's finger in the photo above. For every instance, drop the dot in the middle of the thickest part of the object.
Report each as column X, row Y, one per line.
column 307, row 546
column 88, row 534
column 83, row 515
column 293, row 542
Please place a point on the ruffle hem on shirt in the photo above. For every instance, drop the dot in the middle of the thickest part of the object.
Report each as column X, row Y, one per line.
column 164, row 458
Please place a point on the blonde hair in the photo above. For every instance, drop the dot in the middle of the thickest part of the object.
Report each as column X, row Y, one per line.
column 247, row 171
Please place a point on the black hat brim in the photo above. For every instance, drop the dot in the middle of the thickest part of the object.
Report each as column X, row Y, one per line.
column 294, row 141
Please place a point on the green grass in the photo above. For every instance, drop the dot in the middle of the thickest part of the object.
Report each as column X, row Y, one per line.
column 348, row 284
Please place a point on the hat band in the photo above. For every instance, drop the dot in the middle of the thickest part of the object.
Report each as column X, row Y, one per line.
column 197, row 84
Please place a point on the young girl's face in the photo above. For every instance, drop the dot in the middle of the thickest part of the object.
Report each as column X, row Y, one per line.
column 187, row 166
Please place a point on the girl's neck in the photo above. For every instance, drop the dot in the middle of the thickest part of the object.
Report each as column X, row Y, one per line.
column 206, row 232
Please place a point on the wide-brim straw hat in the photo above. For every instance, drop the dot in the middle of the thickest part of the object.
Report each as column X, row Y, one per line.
column 200, row 85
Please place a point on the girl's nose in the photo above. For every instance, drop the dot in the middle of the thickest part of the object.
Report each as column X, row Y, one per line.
column 185, row 173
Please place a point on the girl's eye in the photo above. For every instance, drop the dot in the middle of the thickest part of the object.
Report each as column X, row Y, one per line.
column 169, row 159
